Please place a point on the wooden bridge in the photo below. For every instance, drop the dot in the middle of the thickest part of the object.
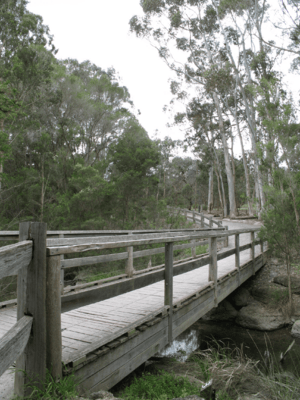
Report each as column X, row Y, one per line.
column 104, row 330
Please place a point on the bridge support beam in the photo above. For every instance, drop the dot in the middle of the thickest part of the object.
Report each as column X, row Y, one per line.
column 169, row 286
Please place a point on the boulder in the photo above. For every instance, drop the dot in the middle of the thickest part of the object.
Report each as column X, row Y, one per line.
column 240, row 297
column 296, row 329
column 224, row 312
column 257, row 316
column 283, row 280
column 103, row 395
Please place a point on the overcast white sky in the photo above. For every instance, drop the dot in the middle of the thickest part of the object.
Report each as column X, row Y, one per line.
column 98, row 31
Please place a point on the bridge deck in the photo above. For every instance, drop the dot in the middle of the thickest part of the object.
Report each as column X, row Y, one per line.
column 84, row 326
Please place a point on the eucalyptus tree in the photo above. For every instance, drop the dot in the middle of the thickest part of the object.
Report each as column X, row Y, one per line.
column 190, row 26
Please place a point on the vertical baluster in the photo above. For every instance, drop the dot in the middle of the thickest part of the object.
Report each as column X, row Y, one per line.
column 169, row 286
column 237, row 256
column 213, row 268
column 62, row 271
column 253, row 252
column 129, row 270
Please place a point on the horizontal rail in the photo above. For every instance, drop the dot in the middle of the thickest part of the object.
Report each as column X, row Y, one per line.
column 108, row 239
column 13, row 343
column 14, row 235
column 78, row 262
column 14, row 257
column 96, row 244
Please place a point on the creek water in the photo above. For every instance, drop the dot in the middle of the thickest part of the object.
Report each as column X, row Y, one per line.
column 253, row 343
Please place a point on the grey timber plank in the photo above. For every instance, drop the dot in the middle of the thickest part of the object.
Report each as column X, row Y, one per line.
column 13, row 343
column 15, row 257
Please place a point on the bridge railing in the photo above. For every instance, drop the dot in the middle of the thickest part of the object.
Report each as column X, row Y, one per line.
column 129, row 255
column 44, row 302
column 201, row 219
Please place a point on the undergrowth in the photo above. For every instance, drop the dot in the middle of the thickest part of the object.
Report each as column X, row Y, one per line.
column 159, row 387
column 63, row 389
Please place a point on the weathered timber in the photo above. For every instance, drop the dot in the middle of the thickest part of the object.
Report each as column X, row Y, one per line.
column 35, row 306
column 24, row 234
column 237, row 255
column 129, row 270
column 169, row 285
column 53, row 317
column 13, row 343
column 14, row 257
column 62, row 272
column 77, row 262
column 253, row 250
column 106, row 291
column 71, row 358
column 128, row 361
column 109, row 239
column 213, row 268
column 110, row 245
column 97, row 368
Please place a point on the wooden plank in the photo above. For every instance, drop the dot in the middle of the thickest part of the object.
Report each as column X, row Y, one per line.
column 13, row 343
column 237, row 256
column 106, row 291
column 109, row 239
column 53, row 317
column 225, row 254
column 15, row 257
column 213, row 268
column 8, row 303
column 78, row 262
column 253, row 250
column 168, row 297
column 115, row 335
column 127, row 361
column 35, row 305
column 135, row 362
column 245, row 247
column 95, row 245
column 97, row 367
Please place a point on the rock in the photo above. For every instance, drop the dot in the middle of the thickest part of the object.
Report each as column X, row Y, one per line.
column 296, row 329
column 283, row 280
column 102, row 394
column 269, row 295
column 256, row 316
column 224, row 312
column 240, row 297
column 249, row 397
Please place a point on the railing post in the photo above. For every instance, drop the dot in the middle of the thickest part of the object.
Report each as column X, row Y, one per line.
column 62, row 271
column 253, row 252
column 213, row 268
column 202, row 221
column 226, row 241
column 169, row 286
column 185, row 213
column 194, row 218
column 210, row 222
column 193, row 248
column 261, row 246
column 129, row 270
column 53, row 316
column 31, row 366
column 237, row 256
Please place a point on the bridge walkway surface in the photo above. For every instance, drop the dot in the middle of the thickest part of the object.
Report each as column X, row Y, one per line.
column 88, row 329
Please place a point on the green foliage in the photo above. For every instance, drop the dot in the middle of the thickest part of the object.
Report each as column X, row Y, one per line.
column 64, row 389
column 162, row 387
